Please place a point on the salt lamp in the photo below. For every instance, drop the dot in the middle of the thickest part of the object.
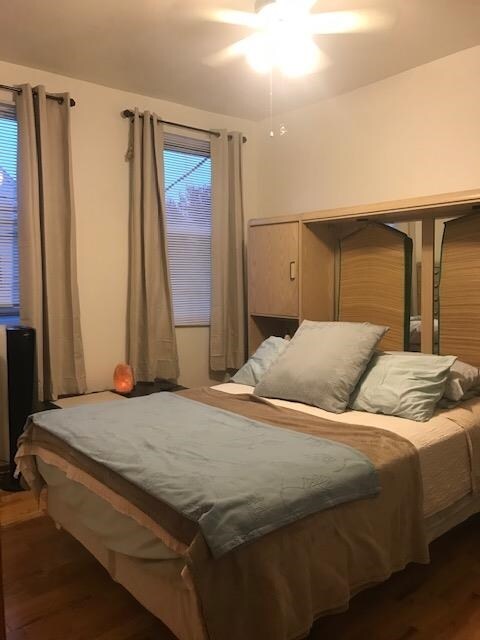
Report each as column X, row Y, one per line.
column 123, row 378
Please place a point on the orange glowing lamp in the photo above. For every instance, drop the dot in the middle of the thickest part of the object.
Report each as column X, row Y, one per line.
column 123, row 378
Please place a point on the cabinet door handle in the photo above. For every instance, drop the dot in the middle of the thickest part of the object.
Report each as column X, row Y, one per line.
column 293, row 270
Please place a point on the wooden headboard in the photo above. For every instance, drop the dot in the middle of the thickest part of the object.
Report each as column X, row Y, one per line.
column 459, row 319
column 375, row 281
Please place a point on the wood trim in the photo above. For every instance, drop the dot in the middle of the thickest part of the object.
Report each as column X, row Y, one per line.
column 435, row 204
column 259, row 222
column 428, row 265
column 274, row 315
column 442, row 205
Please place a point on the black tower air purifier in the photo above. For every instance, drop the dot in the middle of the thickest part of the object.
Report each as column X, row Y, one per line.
column 17, row 352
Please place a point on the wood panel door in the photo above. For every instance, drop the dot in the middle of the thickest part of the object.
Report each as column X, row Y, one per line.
column 376, row 280
column 273, row 270
column 459, row 320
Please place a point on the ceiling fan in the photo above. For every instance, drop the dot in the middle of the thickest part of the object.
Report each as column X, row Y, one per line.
column 283, row 34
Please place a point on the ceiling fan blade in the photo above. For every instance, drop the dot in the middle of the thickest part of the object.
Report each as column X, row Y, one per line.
column 350, row 21
column 233, row 51
column 230, row 16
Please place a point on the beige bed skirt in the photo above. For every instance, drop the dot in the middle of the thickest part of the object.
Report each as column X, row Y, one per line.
column 155, row 584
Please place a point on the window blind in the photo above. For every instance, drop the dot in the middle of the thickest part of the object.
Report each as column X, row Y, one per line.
column 188, row 181
column 9, row 282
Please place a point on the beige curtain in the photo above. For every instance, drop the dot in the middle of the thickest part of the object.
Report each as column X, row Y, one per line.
column 151, row 344
column 47, row 248
column 227, row 325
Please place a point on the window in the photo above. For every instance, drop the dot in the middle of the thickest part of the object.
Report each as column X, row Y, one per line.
column 188, row 180
column 9, row 290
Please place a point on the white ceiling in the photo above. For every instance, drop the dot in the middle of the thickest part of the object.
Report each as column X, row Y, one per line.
column 156, row 48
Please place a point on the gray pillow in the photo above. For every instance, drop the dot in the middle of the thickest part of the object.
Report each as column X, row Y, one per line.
column 254, row 369
column 322, row 364
column 405, row 385
column 463, row 382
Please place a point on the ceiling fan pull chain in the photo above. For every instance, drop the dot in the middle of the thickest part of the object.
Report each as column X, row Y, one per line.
column 282, row 128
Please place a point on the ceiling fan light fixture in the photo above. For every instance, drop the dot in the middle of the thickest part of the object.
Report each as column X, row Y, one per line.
column 284, row 32
column 284, row 40
column 300, row 59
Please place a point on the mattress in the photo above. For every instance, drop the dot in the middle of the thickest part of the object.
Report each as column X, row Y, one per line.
column 444, row 460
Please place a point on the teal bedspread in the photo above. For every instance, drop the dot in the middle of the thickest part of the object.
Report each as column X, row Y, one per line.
column 237, row 478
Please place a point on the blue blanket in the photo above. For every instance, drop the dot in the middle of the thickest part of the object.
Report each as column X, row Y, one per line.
column 237, row 478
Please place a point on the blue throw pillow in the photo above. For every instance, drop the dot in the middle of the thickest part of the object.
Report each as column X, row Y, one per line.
column 255, row 368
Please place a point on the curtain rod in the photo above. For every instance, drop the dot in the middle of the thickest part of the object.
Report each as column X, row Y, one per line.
column 59, row 99
column 128, row 113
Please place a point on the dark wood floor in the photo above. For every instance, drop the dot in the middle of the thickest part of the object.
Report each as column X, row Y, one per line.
column 56, row 591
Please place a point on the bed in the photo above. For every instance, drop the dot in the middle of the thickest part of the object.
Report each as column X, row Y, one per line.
column 255, row 592
column 209, row 573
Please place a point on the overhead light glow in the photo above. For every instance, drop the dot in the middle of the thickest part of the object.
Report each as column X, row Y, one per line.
column 299, row 58
column 285, row 40
column 260, row 54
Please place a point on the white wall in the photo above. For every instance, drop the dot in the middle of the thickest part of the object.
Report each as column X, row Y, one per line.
column 417, row 133
column 99, row 142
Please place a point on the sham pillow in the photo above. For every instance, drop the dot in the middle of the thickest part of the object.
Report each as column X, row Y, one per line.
column 255, row 368
column 322, row 364
column 403, row 385
column 463, row 380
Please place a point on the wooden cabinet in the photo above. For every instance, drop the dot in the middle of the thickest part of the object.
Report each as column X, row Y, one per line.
column 290, row 276
column 273, row 270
